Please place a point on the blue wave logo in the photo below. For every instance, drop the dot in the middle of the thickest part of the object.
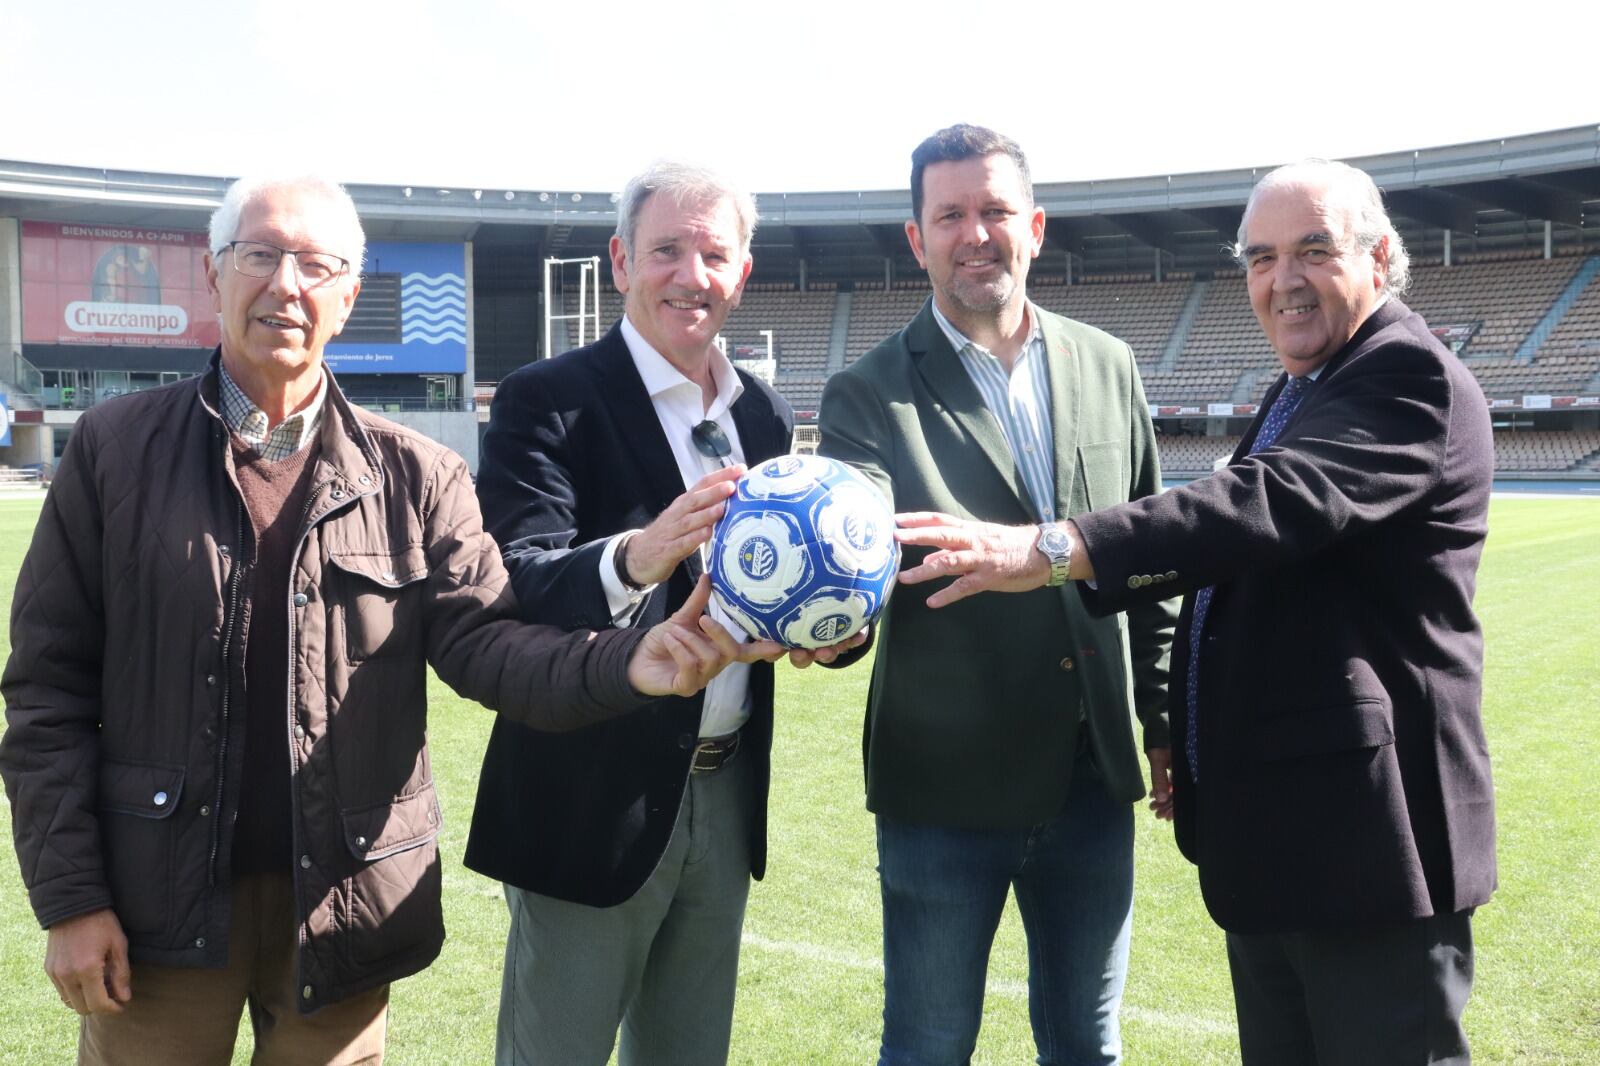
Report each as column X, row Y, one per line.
column 433, row 308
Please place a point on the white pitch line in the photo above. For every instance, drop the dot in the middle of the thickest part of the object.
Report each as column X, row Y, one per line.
column 1007, row 987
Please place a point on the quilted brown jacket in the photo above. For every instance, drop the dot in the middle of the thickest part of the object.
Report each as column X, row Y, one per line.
column 124, row 690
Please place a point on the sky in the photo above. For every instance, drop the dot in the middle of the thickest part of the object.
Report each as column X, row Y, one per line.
column 819, row 95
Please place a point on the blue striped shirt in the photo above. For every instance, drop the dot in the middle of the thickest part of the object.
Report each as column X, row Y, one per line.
column 1020, row 402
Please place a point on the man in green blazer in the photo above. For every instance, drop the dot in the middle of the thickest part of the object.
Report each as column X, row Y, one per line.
column 999, row 741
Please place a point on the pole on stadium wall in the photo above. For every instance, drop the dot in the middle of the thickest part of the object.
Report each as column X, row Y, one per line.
column 588, row 299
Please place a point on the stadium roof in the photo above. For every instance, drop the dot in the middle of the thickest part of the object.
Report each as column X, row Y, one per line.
column 1491, row 195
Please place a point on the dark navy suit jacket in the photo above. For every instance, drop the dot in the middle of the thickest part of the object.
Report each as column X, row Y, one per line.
column 574, row 454
column 1343, row 772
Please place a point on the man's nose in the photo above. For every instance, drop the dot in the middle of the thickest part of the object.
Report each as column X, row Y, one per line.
column 286, row 278
column 1287, row 274
column 692, row 273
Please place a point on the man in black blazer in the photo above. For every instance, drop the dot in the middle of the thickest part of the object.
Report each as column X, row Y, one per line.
column 1330, row 775
column 627, row 853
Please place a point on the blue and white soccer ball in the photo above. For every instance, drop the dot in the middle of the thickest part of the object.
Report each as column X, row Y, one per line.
column 805, row 554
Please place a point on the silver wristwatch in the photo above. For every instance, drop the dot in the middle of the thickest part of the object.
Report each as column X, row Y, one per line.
column 1055, row 545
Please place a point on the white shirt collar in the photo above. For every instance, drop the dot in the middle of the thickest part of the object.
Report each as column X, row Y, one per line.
column 660, row 376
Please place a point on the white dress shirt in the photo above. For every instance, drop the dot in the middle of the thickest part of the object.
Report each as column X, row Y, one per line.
column 679, row 408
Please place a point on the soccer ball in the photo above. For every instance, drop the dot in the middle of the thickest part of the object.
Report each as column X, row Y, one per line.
column 805, row 553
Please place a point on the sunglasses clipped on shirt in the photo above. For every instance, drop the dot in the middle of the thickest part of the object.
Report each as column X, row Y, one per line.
column 711, row 442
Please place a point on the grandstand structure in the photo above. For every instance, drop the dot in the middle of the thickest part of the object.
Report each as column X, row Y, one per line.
column 1504, row 238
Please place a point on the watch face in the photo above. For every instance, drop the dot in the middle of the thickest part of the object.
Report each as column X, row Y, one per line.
column 1053, row 541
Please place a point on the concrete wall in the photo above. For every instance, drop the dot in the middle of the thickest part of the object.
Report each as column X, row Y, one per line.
column 456, row 430
column 31, row 444
column 10, row 289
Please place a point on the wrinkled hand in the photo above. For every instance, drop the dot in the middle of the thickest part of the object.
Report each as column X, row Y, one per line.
column 804, row 657
column 982, row 556
column 680, row 656
column 679, row 531
column 1160, row 782
column 86, row 957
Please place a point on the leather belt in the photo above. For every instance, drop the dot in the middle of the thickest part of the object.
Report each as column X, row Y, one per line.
column 713, row 753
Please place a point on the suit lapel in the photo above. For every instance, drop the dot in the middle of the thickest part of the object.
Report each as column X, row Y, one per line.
column 752, row 417
column 622, row 392
column 1065, row 396
column 951, row 386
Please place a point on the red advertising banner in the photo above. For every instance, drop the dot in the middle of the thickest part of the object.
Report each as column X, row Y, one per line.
column 114, row 284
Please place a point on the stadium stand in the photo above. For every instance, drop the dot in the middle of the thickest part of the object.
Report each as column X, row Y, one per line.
column 1493, row 305
column 1520, row 302
column 875, row 313
column 801, row 325
column 1142, row 314
column 1193, row 455
column 1524, row 451
column 1507, row 297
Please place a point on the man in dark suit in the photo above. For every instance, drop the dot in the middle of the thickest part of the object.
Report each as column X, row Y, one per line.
column 1000, row 753
column 627, row 853
column 1332, row 782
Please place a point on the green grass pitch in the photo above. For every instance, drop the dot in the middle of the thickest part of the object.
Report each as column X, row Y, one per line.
column 810, row 983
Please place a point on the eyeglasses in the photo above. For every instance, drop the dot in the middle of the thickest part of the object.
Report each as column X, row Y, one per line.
column 256, row 259
column 711, row 442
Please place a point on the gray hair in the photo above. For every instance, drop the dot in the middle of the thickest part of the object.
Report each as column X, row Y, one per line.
column 1347, row 186
column 685, row 183
column 351, row 244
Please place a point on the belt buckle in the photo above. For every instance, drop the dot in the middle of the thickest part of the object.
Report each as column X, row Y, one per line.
column 712, row 755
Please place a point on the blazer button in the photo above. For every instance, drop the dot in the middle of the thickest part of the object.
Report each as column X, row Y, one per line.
column 1068, row 664
column 685, row 741
column 1133, row 582
column 305, row 862
column 159, row 799
column 1172, row 575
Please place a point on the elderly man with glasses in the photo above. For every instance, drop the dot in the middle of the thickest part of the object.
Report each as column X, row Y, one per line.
column 216, row 700
column 603, row 473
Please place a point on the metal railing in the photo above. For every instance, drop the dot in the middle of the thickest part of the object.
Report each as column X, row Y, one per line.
column 25, row 377
column 413, row 403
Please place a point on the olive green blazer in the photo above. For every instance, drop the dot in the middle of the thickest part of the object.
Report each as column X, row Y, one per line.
column 974, row 711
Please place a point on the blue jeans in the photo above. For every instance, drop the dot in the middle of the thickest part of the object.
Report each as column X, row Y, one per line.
column 943, row 894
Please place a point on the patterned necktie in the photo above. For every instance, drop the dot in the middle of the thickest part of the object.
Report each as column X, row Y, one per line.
column 1276, row 418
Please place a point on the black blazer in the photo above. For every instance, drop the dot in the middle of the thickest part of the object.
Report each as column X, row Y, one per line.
column 1344, row 776
column 574, row 454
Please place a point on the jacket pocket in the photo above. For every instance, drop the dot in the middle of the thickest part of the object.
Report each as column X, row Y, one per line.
column 377, row 601
column 394, row 904
column 1323, row 730
column 1105, row 474
column 136, row 802
column 379, row 830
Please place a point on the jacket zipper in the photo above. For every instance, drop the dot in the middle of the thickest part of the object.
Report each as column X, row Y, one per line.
column 291, row 689
column 227, row 692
